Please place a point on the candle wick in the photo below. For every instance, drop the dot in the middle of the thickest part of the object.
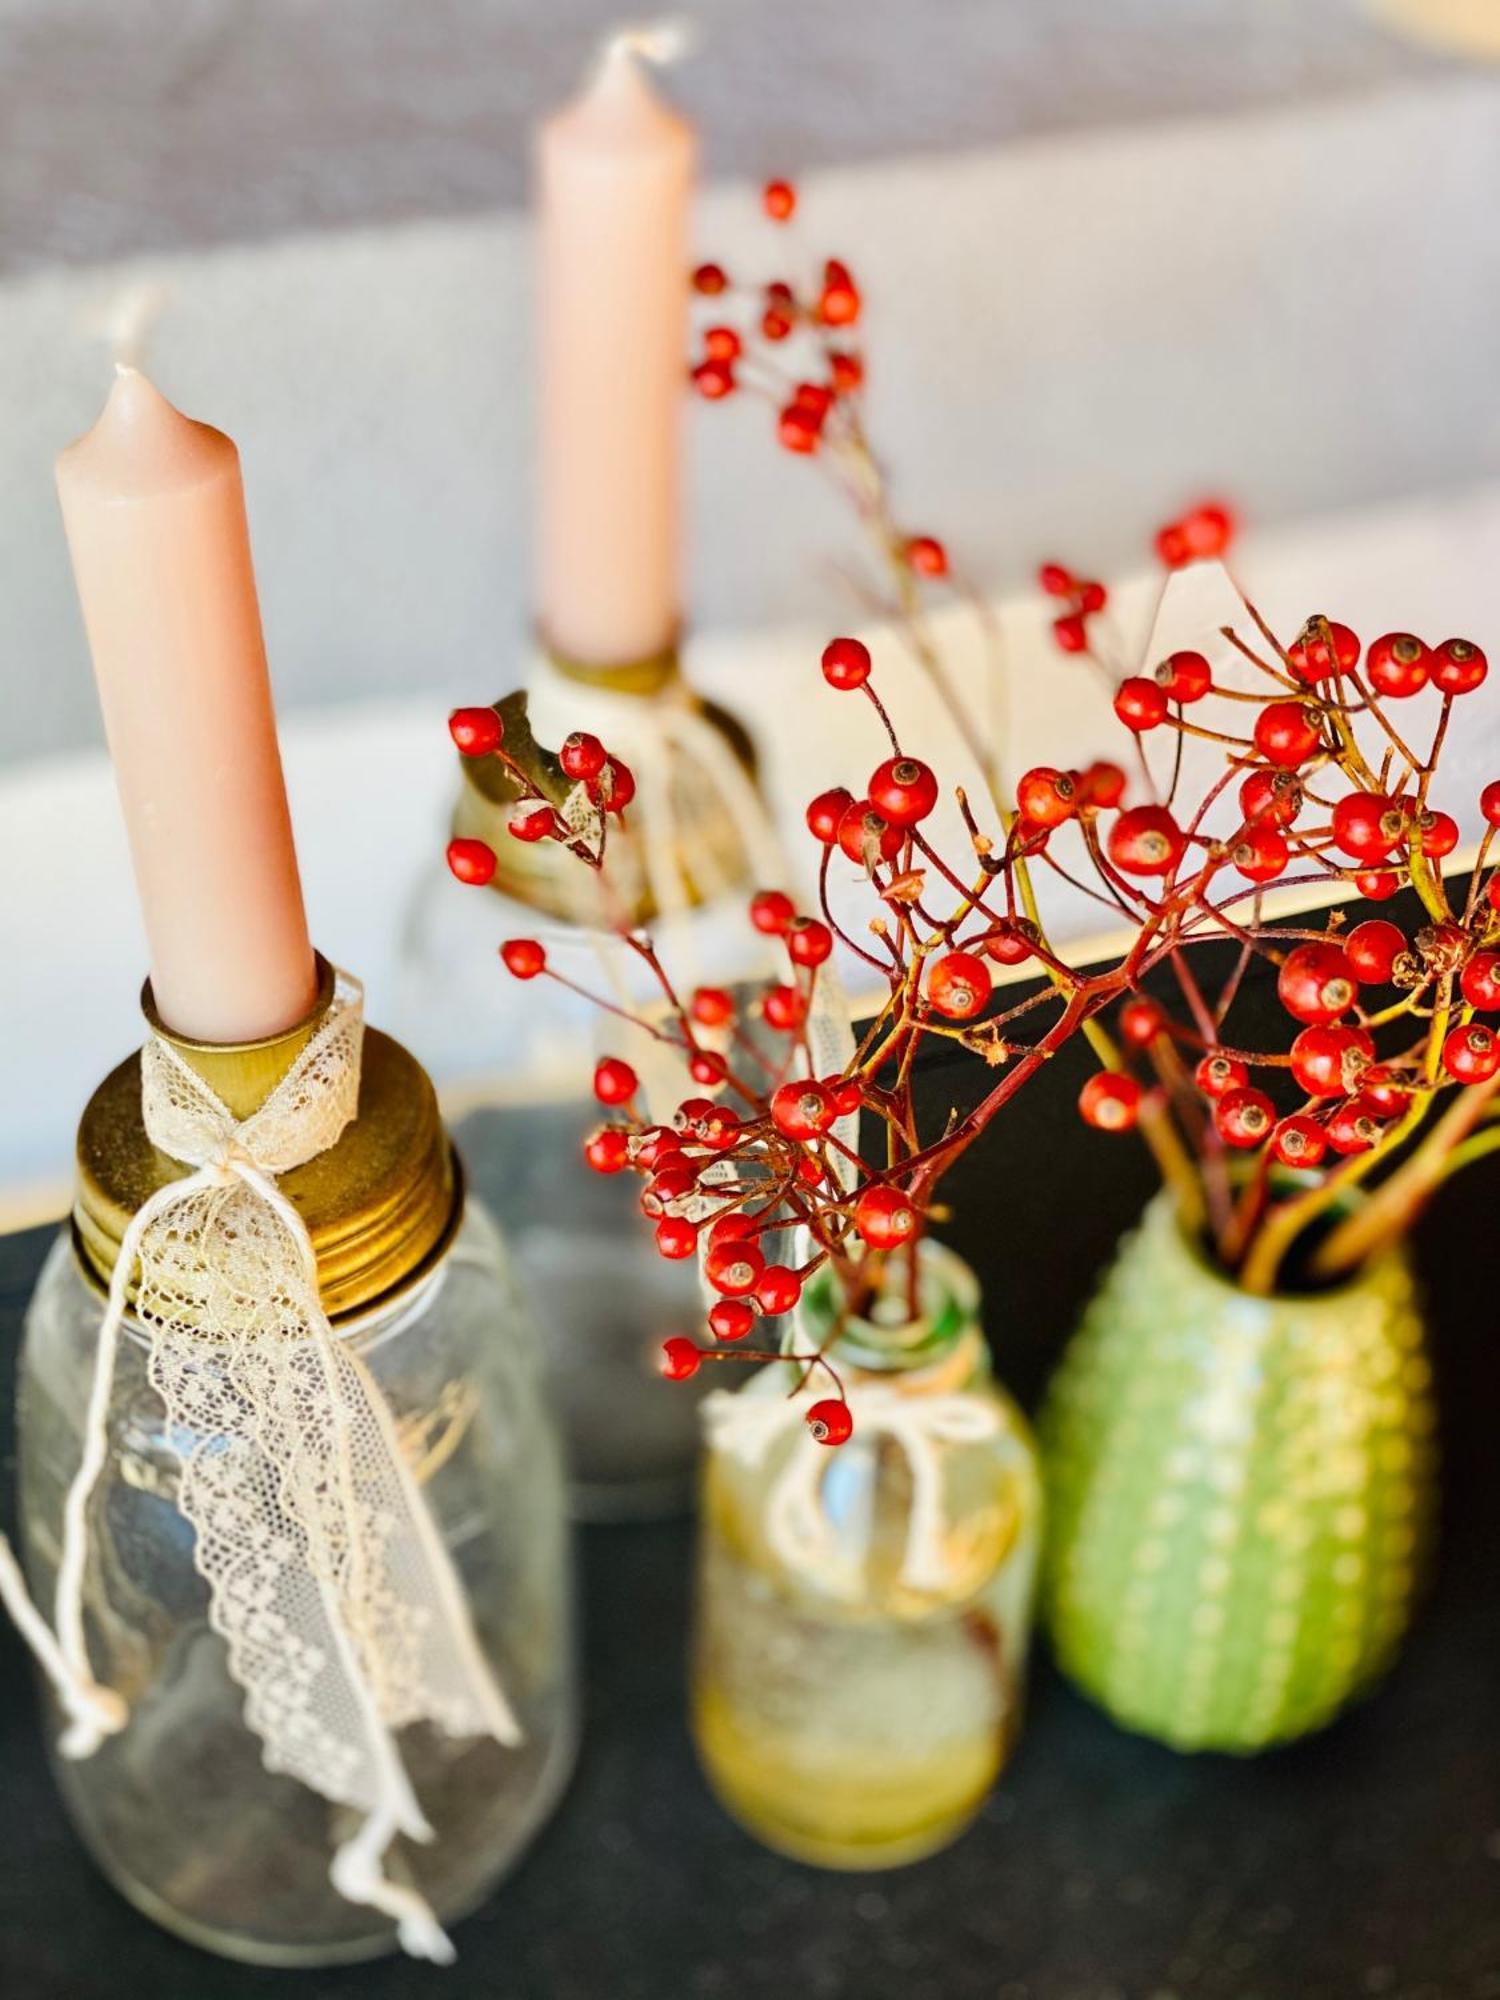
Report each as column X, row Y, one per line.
column 660, row 42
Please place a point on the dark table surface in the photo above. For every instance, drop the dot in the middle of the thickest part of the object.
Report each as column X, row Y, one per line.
column 1365, row 1861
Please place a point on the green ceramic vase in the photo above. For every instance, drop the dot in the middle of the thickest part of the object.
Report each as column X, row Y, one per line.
column 1239, row 1490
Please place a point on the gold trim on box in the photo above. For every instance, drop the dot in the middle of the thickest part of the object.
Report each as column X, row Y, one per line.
column 381, row 1205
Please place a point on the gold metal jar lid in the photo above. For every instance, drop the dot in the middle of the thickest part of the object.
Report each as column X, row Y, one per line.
column 710, row 846
column 381, row 1205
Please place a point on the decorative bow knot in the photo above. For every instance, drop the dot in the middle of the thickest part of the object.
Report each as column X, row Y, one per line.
column 327, row 1578
column 797, row 1523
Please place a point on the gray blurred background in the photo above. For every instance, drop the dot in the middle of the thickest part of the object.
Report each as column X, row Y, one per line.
column 1114, row 254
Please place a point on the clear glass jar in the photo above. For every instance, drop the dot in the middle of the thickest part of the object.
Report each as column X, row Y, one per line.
column 843, row 1712
column 514, row 1061
column 178, row 1809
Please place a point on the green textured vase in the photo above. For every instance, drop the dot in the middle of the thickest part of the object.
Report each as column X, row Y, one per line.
column 1240, row 1492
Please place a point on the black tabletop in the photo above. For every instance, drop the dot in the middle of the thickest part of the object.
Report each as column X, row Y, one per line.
column 1364, row 1861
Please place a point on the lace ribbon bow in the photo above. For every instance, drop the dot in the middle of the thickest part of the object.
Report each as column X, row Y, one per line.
column 327, row 1577
column 797, row 1523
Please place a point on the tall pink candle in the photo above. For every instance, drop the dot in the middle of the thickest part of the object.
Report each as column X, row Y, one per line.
column 616, row 172
column 155, row 518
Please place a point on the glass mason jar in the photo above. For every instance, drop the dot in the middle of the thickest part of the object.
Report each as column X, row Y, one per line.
column 178, row 1809
column 857, row 1687
column 1240, row 1492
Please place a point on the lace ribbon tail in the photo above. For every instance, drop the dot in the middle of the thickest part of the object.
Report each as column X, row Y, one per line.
column 357, row 1875
column 93, row 1712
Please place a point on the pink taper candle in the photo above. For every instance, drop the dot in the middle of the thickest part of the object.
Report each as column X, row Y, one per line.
column 616, row 172
column 155, row 518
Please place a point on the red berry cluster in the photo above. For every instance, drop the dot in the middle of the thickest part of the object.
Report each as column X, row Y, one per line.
column 569, row 799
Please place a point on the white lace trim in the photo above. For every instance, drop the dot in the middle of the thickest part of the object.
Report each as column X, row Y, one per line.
column 328, row 1581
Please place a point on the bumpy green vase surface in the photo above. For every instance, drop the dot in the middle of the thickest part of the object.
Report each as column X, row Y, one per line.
column 1239, row 1492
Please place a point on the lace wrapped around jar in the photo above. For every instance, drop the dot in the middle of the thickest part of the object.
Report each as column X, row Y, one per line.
column 327, row 1574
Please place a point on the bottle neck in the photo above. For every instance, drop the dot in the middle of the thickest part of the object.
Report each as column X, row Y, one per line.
column 939, row 1347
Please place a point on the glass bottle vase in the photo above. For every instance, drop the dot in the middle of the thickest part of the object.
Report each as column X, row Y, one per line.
column 178, row 1809
column 863, row 1612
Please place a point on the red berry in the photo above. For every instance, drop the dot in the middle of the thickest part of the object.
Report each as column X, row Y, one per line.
column 1055, row 580
column 1479, row 982
column 1146, row 840
column 730, row 1319
column 733, row 1266
column 608, row 1149
column 1184, row 676
column 615, row 1082
column 775, row 324
column 533, row 823
column 778, row 198
column 784, row 1007
column 814, row 397
column 1101, row 786
column 1489, row 802
column 1367, row 825
column 1299, row 1141
column 1010, row 943
column 771, row 911
column 582, row 755
column 1316, row 983
column 777, row 1290
column 1217, row 1073
column 830, row 1421
column 680, row 1359
column 801, row 1109
column 721, row 1128
column 524, row 958
column 1244, row 1117
column 1172, row 545
column 471, row 862
column 1271, row 795
column 1330, row 1061
column 846, row 663
column 799, row 428
column 1141, row 1021
column 712, row 1007
column 691, row 1113
column 1382, row 1089
column 848, row 1094
column 476, row 731
column 866, row 836
column 1261, row 854
column 708, row 1067
column 1207, row 530
column 1046, row 797
column 1092, row 597
column 650, row 1149
column 840, row 302
column 1313, row 659
column 1372, row 948
column 903, row 790
column 1458, row 666
column 825, row 812
column 722, row 343
column 1472, row 1053
column 1140, row 704
column 671, row 1182
column 1287, row 733
column 1377, row 885
column 1398, row 665
column 884, row 1217
column 1354, row 1127
column 927, row 556
column 714, row 379
column 1110, row 1101
column 808, row 941
column 709, row 280
column 848, row 371
column 1070, row 634
column 735, row 1223
column 959, row 985
column 1439, row 832
column 676, row 1237
column 617, row 784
